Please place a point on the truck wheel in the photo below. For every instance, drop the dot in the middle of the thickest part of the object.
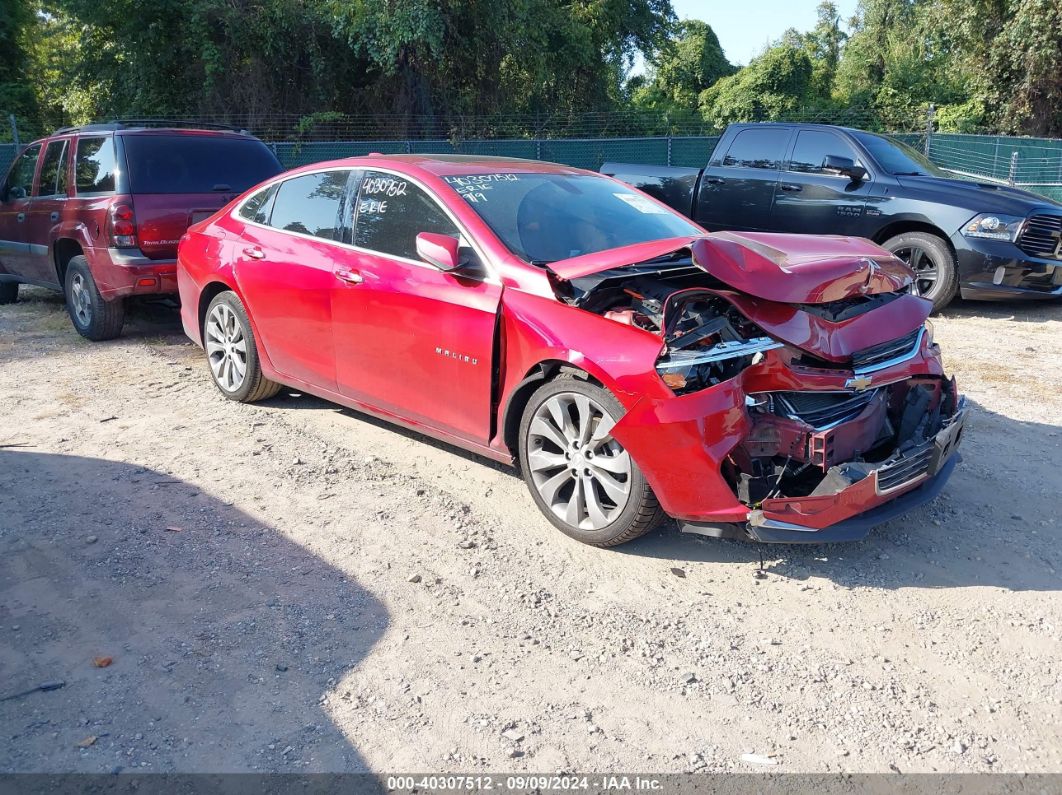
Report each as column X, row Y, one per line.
column 936, row 277
column 93, row 317
column 8, row 292
column 581, row 478
column 232, row 353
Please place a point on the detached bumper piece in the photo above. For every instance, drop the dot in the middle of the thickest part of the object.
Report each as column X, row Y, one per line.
column 865, row 496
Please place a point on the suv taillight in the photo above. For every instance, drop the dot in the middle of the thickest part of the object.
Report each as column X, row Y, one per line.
column 123, row 226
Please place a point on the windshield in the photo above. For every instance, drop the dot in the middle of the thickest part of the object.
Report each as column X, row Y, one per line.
column 197, row 163
column 543, row 218
column 898, row 158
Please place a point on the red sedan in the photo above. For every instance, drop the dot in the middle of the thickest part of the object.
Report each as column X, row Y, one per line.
column 774, row 387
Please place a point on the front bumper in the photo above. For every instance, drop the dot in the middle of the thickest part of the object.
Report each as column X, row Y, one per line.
column 997, row 270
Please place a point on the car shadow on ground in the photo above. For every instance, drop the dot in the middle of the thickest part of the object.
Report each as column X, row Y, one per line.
column 226, row 638
column 996, row 524
column 1021, row 311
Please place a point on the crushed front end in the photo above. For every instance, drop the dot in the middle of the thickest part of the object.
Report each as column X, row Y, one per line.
column 809, row 419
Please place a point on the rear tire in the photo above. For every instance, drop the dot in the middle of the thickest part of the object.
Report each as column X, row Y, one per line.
column 581, row 478
column 232, row 353
column 8, row 292
column 94, row 318
column 936, row 276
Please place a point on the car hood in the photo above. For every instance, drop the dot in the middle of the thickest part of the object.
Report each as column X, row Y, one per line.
column 978, row 197
column 796, row 269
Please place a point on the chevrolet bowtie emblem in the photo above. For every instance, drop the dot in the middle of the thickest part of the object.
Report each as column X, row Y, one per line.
column 860, row 383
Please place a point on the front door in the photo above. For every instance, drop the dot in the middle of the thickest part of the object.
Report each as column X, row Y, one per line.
column 45, row 211
column 15, row 198
column 409, row 338
column 813, row 200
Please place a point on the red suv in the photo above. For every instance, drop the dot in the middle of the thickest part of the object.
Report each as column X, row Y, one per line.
column 97, row 211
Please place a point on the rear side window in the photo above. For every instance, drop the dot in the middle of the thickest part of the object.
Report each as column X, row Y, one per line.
column 812, row 148
column 764, row 148
column 257, row 207
column 196, row 163
column 53, row 170
column 311, row 204
column 391, row 212
column 19, row 183
column 95, row 165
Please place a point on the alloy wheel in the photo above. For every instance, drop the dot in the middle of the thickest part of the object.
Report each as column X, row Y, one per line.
column 80, row 300
column 579, row 470
column 926, row 272
column 226, row 347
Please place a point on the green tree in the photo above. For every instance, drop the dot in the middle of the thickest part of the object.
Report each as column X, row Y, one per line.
column 773, row 85
column 689, row 62
column 16, row 88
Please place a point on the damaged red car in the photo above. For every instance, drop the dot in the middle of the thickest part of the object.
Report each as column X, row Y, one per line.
column 779, row 388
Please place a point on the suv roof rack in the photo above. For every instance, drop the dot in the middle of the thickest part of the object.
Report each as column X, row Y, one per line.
column 125, row 124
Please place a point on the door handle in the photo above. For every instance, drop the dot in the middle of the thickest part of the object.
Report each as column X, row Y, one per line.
column 20, row 217
column 254, row 252
column 349, row 276
column 792, row 188
column 714, row 180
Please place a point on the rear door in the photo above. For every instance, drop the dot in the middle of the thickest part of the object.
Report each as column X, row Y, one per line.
column 284, row 258
column 177, row 179
column 409, row 338
column 46, row 209
column 15, row 197
column 813, row 200
column 737, row 188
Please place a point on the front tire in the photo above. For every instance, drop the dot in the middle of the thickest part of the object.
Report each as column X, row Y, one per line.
column 581, row 478
column 8, row 292
column 94, row 318
column 232, row 353
column 936, row 277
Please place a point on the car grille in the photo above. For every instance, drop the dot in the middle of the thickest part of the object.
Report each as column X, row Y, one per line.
column 1040, row 236
column 822, row 410
column 905, row 470
column 869, row 358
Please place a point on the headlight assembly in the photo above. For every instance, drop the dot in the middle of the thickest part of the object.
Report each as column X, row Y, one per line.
column 994, row 227
column 690, row 370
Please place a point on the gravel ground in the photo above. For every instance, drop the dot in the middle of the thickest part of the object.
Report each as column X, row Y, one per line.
column 294, row 587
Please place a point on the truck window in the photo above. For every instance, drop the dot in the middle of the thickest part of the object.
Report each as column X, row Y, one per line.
column 197, row 163
column 812, row 147
column 95, row 166
column 19, row 182
column 53, row 170
column 758, row 148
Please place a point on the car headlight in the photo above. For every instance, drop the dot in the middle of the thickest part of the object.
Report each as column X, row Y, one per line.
column 994, row 227
column 692, row 370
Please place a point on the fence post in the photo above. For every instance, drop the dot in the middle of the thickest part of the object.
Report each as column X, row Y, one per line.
column 669, row 150
column 931, row 113
column 14, row 130
column 1013, row 168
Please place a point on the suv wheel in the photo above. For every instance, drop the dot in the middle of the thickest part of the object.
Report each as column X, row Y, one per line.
column 8, row 292
column 581, row 478
column 232, row 353
column 936, row 278
column 93, row 317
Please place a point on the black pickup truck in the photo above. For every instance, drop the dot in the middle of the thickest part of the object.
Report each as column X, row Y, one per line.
column 976, row 239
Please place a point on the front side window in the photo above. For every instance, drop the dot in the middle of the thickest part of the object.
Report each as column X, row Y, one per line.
column 311, row 204
column 53, row 170
column 391, row 211
column 257, row 207
column 758, row 148
column 545, row 217
column 19, row 183
column 812, row 149
column 95, row 166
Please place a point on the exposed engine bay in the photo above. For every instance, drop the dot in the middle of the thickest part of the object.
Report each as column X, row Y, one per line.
column 802, row 443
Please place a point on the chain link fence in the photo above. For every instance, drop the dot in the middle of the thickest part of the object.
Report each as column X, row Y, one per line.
column 588, row 140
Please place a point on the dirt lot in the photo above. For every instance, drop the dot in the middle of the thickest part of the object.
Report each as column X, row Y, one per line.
column 294, row 587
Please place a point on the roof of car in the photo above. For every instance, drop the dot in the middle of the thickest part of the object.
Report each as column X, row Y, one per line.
column 151, row 126
column 444, row 165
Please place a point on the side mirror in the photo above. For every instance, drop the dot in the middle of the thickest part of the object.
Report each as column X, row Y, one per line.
column 844, row 166
column 439, row 250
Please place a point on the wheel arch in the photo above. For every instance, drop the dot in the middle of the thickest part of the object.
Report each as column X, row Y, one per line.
column 210, row 291
column 910, row 225
column 63, row 250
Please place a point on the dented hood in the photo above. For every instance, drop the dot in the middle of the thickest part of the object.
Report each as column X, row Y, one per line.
column 795, row 269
